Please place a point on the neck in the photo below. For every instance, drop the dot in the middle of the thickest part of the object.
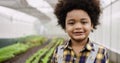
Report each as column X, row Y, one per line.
column 79, row 43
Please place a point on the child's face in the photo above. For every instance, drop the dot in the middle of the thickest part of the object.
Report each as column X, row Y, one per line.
column 78, row 24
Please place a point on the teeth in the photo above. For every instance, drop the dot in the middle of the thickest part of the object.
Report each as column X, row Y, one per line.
column 78, row 32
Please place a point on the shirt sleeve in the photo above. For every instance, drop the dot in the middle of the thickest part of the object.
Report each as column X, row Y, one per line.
column 102, row 56
column 106, row 58
column 54, row 56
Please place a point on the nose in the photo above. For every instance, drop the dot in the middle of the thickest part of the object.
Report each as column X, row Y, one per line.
column 78, row 26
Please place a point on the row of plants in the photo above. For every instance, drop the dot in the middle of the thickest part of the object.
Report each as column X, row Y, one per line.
column 12, row 50
column 21, row 46
column 44, row 55
column 7, row 41
column 47, row 58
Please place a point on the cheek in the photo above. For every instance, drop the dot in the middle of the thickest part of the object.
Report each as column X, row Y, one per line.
column 68, row 29
column 88, row 28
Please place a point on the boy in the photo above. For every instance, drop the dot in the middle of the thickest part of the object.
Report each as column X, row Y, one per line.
column 78, row 18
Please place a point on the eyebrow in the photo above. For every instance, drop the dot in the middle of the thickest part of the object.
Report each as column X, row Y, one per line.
column 71, row 19
column 83, row 19
column 74, row 19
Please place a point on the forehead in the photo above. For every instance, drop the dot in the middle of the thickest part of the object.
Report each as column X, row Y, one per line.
column 77, row 13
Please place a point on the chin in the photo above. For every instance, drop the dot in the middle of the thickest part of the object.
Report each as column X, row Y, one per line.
column 79, row 39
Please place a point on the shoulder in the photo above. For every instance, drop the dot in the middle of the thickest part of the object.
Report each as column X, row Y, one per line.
column 58, row 48
column 101, row 47
column 102, row 51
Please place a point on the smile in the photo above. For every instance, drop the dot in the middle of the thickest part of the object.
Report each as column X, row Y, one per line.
column 78, row 33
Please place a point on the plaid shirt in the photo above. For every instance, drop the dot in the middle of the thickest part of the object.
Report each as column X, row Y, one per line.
column 69, row 55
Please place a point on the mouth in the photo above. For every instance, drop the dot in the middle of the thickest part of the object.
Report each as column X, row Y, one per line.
column 78, row 33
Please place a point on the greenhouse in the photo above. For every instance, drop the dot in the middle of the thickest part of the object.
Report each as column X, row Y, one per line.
column 29, row 32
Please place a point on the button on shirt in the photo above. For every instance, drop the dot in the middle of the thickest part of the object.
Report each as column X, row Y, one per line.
column 69, row 55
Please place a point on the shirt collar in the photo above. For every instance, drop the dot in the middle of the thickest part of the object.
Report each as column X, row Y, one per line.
column 88, row 46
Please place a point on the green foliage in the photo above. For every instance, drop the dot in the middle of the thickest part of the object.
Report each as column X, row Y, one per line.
column 22, row 45
column 43, row 55
column 12, row 50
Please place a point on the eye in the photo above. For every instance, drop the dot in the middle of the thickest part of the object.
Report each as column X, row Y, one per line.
column 71, row 22
column 84, row 21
